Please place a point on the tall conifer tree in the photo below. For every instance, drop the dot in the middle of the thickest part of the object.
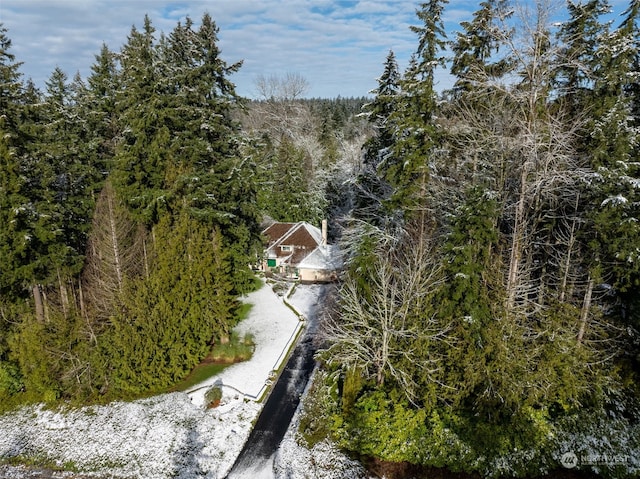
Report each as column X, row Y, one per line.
column 417, row 135
column 141, row 158
column 577, row 61
column 14, row 201
column 207, row 171
column 97, row 101
column 70, row 178
column 613, row 146
column 13, row 206
column 372, row 188
column 475, row 46
column 380, row 111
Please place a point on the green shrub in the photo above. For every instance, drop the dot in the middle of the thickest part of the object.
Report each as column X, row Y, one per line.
column 213, row 396
column 235, row 350
column 10, row 381
column 318, row 406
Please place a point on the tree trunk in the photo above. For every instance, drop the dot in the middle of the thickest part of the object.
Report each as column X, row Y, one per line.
column 384, row 355
column 64, row 296
column 114, row 241
column 37, row 299
column 584, row 314
column 45, row 304
column 146, row 258
column 570, row 245
column 516, row 244
column 83, row 310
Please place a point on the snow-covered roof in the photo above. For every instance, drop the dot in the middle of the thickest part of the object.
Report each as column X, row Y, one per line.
column 322, row 258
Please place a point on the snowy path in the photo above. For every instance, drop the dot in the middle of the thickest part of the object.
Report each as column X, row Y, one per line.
column 279, row 408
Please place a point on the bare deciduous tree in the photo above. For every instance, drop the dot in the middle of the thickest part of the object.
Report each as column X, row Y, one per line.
column 275, row 88
column 378, row 332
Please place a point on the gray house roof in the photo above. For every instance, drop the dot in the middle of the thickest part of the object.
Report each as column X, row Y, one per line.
column 323, row 258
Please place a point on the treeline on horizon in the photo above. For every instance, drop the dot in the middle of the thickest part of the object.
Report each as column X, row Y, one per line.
column 488, row 322
column 131, row 205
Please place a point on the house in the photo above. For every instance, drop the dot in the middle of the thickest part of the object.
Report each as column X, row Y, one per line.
column 301, row 251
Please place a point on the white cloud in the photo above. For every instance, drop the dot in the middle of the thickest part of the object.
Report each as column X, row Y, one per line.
column 339, row 46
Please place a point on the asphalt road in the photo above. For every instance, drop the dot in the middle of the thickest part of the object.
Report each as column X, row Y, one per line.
column 273, row 422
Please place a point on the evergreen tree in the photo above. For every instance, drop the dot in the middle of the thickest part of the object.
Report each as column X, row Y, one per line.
column 172, row 317
column 380, row 110
column 70, row 179
column 467, row 302
column 286, row 194
column 475, row 46
column 470, row 254
column 14, row 200
column 97, row 101
column 48, row 344
column 371, row 188
column 211, row 176
column 32, row 236
column 181, row 143
column 577, row 61
column 481, row 62
column 613, row 147
column 14, row 203
column 630, row 27
column 417, row 133
column 141, row 158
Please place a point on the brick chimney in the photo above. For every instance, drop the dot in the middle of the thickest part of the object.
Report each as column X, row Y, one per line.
column 324, row 233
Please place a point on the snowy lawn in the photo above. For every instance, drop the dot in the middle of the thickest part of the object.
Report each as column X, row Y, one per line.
column 170, row 435
column 274, row 326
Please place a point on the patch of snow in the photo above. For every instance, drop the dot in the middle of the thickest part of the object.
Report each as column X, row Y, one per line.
column 274, row 327
column 615, row 201
column 306, row 299
column 169, row 435
column 634, row 182
column 323, row 258
column 163, row 436
column 293, row 460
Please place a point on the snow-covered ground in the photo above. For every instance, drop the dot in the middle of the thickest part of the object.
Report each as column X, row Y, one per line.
column 274, row 326
column 294, row 461
column 169, row 435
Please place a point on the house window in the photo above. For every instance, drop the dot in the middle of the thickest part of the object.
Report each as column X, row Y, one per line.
column 271, row 263
column 285, row 248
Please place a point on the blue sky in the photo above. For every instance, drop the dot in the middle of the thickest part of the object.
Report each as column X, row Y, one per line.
column 338, row 46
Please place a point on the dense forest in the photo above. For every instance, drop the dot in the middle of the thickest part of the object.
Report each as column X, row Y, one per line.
column 487, row 320
column 131, row 205
column 489, row 317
